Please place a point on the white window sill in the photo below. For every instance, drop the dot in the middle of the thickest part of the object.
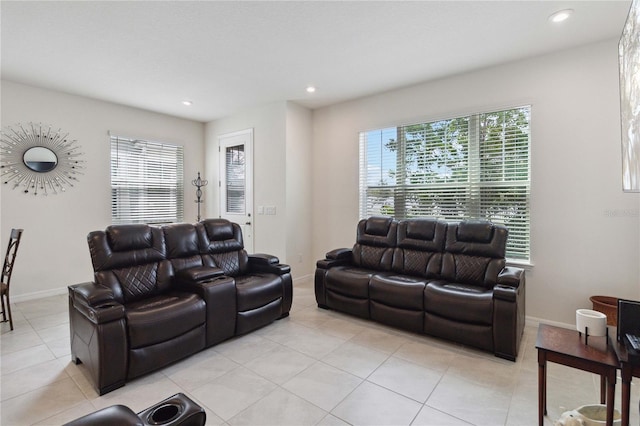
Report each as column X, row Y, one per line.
column 527, row 266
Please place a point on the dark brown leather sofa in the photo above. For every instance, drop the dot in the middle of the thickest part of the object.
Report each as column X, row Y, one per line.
column 429, row 276
column 163, row 293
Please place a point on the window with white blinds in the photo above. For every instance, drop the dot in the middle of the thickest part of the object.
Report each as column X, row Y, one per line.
column 467, row 167
column 146, row 182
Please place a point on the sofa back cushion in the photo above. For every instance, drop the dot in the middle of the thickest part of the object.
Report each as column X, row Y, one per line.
column 183, row 245
column 376, row 239
column 223, row 246
column 474, row 252
column 420, row 243
column 130, row 260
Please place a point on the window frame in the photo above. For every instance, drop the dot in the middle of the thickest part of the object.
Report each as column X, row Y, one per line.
column 468, row 188
column 147, row 181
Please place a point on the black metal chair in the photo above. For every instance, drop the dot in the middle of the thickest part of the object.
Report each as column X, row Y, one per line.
column 7, row 269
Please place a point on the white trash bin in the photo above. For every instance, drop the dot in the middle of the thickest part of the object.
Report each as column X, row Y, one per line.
column 588, row 415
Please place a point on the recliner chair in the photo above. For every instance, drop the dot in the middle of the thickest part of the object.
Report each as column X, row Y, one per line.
column 132, row 320
column 263, row 285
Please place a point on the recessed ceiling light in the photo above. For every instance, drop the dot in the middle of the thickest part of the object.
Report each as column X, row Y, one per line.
column 311, row 89
column 187, row 103
column 561, row 15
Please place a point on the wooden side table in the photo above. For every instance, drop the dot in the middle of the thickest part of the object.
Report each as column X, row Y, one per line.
column 629, row 368
column 567, row 347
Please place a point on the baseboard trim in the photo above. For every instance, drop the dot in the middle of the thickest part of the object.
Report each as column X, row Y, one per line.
column 303, row 279
column 535, row 322
column 38, row 295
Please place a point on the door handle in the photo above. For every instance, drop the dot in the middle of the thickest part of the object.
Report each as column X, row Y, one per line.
column 247, row 223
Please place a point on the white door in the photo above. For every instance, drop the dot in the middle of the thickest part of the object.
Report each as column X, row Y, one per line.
column 236, row 181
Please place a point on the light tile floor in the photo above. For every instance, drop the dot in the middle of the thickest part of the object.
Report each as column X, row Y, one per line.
column 316, row 367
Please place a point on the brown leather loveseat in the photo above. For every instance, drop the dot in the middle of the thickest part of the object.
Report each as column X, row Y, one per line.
column 163, row 293
column 429, row 276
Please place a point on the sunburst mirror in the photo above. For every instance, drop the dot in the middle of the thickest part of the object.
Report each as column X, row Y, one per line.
column 39, row 160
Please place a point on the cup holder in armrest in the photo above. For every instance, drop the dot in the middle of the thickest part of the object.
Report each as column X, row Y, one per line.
column 178, row 410
column 164, row 414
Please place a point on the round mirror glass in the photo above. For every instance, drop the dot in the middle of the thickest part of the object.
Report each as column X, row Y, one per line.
column 40, row 159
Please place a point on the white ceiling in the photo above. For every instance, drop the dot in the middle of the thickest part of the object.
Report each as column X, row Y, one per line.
column 226, row 56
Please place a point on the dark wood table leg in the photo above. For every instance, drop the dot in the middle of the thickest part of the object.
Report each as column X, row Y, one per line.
column 542, row 387
column 611, row 396
column 603, row 389
column 626, row 393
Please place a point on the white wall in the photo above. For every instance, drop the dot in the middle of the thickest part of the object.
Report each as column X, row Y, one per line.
column 53, row 252
column 585, row 230
column 269, row 135
column 282, row 178
column 298, row 190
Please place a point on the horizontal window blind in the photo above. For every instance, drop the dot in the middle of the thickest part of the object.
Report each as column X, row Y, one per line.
column 467, row 167
column 235, row 179
column 146, row 182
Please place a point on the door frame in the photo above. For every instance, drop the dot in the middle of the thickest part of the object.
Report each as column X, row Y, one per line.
column 247, row 223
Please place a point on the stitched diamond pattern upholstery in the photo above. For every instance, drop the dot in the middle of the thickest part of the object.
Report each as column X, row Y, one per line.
column 471, row 269
column 474, row 253
column 378, row 258
column 223, row 244
column 420, row 243
column 130, row 260
column 138, row 281
column 228, row 262
column 415, row 262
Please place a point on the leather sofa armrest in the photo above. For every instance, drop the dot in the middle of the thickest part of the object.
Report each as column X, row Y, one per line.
column 264, row 258
column 115, row 414
column 509, row 280
column 219, row 294
column 337, row 257
column 91, row 294
column 95, row 302
column 339, row 254
column 505, row 292
column 261, row 262
column 511, row 276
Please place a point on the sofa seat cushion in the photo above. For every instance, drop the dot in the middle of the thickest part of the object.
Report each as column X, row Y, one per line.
column 349, row 281
column 163, row 317
column 399, row 291
column 460, row 302
column 257, row 290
